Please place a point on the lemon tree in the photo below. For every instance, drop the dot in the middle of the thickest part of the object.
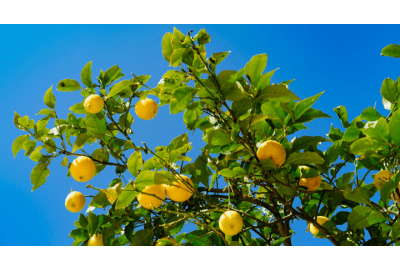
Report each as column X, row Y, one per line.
column 255, row 176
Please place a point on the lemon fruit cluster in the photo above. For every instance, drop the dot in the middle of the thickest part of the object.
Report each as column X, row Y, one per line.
column 75, row 202
column 83, row 169
column 272, row 150
column 165, row 243
column 146, row 109
column 93, row 104
column 230, row 223
column 154, row 197
column 312, row 183
column 96, row 240
column 320, row 220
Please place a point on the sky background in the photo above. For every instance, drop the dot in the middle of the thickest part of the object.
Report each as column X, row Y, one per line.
column 342, row 60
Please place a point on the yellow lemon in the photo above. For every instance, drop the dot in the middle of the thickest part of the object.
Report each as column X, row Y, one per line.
column 150, row 201
column 146, row 109
column 320, row 220
column 230, row 223
column 96, row 240
column 174, row 243
column 93, row 103
column 75, row 202
column 381, row 178
column 272, row 150
column 83, row 169
column 312, row 183
column 180, row 191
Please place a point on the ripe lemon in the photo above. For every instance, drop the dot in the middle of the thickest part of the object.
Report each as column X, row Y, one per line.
column 146, row 109
column 149, row 201
column 312, row 183
column 174, row 243
column 272, row 150
column 93, row 103
column 83, row 169
column 381, row 178
column 75, row 202
column 180, row 191
column 96, row 240
column 320, row 220
column 230, row 223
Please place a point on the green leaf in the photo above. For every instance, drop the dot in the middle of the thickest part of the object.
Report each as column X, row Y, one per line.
column 305, row 142
column 16, row 118
column 96, row 125
column 234, row 173
column 389, row 187
column 273, row 110
column 255, row 67
column 176, row 57
column 47, row 112
column 135, row 162
column 351, row 134
column 178, row 142
column 341, row 112
column 93, row 223
column 389, row 90
column 359, row 195
column 80, row 141
column 49, row 98
column 332, row 153
column 360, row 146
column 64, row 161
column 111, row 75
column 265, row 79
column 86, row 74
column 78, row 108
column 128, row 194
column 217, row 58
column 392, row 50
column 177, row 39
column 202, row 37
column 80, row 235
column 379, row 132
column 19, row 143
column 311, row 114
column 396, row 230
column 150, row 178
column 240, row 107
column 29, row 146
column 276, row 92
column 181, row 98
column 100, row 200
column 394, row 127
column 39, row 175
column 118, row 87
column 364, row 216
column 304, row 158
column 217, row 137
column 143, row 238
column 370, row 114
column 302, row 106
column 279, row 241
column 166, row 45
column 68, row 85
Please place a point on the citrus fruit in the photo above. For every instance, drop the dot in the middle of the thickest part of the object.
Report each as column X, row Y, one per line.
column 320, row 220
column 93, row 103
column 146, row 109
column 96, row 240
column 174, row 243
column 312, row 183
column 75, row 202
column 272, row 150
column 83, row 169
column 150, row 201
column 180, row 191
column 230, row 223
column 381, row 178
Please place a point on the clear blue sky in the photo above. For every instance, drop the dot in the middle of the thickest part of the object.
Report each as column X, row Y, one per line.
column 342, row 60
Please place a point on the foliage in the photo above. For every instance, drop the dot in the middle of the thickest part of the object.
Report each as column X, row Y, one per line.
column 236, row 111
